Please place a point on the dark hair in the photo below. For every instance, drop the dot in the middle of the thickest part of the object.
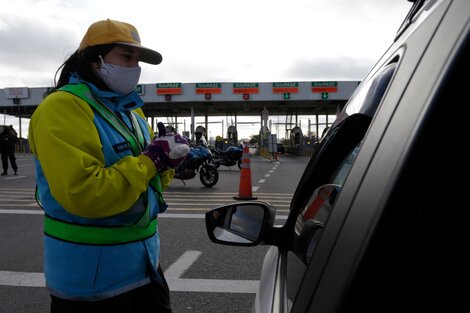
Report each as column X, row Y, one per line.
column 80, row 62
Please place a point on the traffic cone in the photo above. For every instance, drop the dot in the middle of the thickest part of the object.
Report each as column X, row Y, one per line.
column 245, row 192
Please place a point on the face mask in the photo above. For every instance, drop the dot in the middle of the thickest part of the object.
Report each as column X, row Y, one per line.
column 120, row 79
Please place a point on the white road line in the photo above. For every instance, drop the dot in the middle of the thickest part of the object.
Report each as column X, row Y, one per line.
column 178, row 215
column 163, row 215
column 213, row 285
column 7, row 211
column 261, row 181
column 182, row 264
column 24, row 279
column 14, row 177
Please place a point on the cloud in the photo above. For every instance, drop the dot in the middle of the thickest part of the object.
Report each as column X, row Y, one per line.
column 30, row 49
column 344, row 68
column 206, row 40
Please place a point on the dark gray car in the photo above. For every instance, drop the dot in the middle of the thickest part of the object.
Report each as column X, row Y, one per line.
column 378, row 221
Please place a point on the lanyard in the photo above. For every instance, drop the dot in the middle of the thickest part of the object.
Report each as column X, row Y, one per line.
column 136, row 140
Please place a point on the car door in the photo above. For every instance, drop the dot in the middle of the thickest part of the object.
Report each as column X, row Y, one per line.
column 306, row 270
column 381, row 250
column 336, row 156
column 319, row 186
column 294, row 244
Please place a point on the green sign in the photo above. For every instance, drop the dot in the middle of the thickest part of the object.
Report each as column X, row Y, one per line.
column 245, row 85
column 324, row 84
column 169, row 85
column 324, row 95
column 286, row 96
column 208, row 85
column 285, row 84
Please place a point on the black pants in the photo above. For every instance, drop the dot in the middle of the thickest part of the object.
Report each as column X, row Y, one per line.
column 9, row 155
column 153, row 297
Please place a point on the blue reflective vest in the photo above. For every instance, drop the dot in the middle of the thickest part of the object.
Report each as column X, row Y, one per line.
column 79, row 269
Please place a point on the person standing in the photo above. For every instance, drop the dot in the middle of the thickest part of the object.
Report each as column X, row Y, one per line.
column 100, row 174
column 8, row 141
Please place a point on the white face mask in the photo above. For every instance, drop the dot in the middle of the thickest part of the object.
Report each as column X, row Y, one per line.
column 120, row 79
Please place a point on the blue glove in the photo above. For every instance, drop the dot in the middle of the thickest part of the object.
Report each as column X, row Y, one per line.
column 167, row 150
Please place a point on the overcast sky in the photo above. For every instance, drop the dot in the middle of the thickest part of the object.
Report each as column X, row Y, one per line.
column 206, row 40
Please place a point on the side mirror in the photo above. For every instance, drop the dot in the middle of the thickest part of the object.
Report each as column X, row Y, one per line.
column 321, row 203
column 239, row 224
column 312, row 219
column 309, row 238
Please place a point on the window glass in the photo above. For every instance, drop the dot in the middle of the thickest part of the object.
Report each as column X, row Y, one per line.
column 340, row 175
column 332, row 166
column 295, row 266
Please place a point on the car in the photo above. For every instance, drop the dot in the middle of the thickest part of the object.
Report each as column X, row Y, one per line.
column 378, row 221
column 280, row 148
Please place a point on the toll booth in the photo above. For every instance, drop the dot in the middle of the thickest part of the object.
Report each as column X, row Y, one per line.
column 263, row 136
column 296, row 136
column 199, row 133
column 232, row 135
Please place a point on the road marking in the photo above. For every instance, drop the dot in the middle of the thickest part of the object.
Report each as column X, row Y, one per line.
column 162, row 215
column 213, row 285
column 182, row 264
column 261, row 181
column 22, row 279
column 15, row 177
column 26, row 279
column 6, row 211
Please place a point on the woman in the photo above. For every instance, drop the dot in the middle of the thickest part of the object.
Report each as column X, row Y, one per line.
column 99, row 181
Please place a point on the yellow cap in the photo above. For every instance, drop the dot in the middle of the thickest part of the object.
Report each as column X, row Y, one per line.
column 110, row 31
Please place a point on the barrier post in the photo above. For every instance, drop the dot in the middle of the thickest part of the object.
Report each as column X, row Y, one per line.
column 245, row 189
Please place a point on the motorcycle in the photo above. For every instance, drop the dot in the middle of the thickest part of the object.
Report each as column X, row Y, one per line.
column 230, row 157
column 198, row 160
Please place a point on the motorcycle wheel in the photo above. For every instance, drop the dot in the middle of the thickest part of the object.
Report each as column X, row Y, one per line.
column 240, row 164
column 208, row 175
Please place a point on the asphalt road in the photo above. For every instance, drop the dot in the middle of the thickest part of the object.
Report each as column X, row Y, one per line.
column 203, row 276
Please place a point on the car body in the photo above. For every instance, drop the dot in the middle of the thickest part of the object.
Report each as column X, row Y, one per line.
column 378, row 221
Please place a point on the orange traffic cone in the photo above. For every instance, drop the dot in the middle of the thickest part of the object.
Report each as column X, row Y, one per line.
column 245, row 192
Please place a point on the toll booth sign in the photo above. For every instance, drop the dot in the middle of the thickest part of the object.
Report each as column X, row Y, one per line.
column 287, row 87
column 169, row 89
column 324, row 87
column 245, row 88
column 208, row 88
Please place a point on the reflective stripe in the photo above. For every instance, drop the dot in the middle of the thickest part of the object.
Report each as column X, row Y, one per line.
column 100, row 235
column 83, row 92
column 137, row 129
column 107, row 235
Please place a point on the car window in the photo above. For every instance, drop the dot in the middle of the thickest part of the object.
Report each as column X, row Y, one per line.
column 339, row 176
column 330, row 166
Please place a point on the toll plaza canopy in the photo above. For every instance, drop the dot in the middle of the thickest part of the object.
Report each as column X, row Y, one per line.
column 213, row 99
column 173, row 100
